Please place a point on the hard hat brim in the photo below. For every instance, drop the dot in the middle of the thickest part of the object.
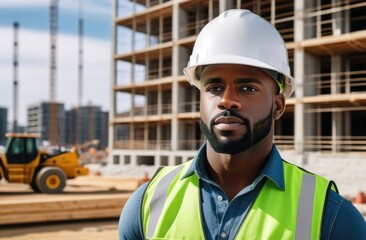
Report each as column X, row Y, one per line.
column 190, row 70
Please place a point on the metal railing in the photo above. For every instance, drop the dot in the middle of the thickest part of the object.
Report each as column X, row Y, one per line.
column 341, row 82
column 330, row 19
column 311, row 144
column 335, row 144
column 191, row 28
column 143, row 145
column 190, row 144
column 284, row 142
column 193, row 106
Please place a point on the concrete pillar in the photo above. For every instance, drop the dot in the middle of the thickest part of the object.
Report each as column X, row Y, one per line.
column 157, row 160
column 310, row 22
column 146, row 135
column 147, row 67
column 210, row 10
column 335, row 79
column 175, row 74
column 133, row 70
column 318, row 124
column 273, row 11
column 171, row 160
column 148, row 31
column 133, row 159
column 338, row 127
column 113, row 80
column 312, row 64
column 160, row 37
column 337, row 123
column 318, row 20
column 158, row 136
column 347, row 75
column 222, row 5
column 347, row 123
column 160, row 68
column 309, row 89
column 299, row 78
column 146, row 103
column 160, row 101
column 336, row 19
column 346, row 17
column 132, row 135
column 183, row 21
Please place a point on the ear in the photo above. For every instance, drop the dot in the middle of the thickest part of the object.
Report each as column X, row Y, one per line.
column 279, row 106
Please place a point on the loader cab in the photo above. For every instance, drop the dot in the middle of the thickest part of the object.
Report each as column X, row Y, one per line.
column 21, row 148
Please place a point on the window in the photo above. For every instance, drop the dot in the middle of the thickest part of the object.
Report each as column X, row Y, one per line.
column 116, row 159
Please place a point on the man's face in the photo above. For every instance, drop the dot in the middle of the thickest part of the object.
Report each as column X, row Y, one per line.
column 237, row 105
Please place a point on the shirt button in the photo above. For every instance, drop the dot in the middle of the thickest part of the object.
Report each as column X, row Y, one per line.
column 223, row 235
column 220, row 198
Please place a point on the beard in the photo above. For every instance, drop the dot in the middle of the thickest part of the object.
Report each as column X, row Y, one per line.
column 253, row 135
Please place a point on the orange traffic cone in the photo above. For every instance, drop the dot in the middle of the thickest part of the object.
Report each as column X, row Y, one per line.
column 144, row 179
column 361, row 198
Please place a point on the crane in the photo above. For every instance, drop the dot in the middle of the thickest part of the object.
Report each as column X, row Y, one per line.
column 77, row 139
column 15, row 82
column 53, row 126
column 81, row 32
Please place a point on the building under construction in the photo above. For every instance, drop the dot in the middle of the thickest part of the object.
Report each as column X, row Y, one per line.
column 154, row 112
column 39, row 121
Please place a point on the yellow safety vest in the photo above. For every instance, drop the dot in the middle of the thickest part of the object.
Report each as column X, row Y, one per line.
column 171, row 207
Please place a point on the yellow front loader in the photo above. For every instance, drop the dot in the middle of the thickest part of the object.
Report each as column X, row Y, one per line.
column 23, row 162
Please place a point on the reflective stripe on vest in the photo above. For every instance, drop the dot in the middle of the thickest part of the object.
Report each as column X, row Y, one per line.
column 159, row 198
column 306, row 207
column 171, row 207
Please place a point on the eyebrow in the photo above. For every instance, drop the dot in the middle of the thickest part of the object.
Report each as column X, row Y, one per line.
column 247, row 80
column 212, row 81
column 236, row 81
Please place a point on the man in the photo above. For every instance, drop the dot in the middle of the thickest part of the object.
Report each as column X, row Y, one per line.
column 237, row 186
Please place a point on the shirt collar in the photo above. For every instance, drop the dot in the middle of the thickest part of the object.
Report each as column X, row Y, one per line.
column 273, row 169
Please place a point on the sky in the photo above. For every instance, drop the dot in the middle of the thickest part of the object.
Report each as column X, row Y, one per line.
column 34, row 53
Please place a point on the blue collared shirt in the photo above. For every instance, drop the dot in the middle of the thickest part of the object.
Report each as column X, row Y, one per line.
column 221, row 218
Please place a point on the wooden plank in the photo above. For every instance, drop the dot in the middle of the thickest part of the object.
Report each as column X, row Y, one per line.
column 41, row 210
column 89, row 197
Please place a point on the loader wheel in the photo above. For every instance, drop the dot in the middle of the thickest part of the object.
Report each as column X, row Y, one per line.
column 50, row 180
column 34, row 187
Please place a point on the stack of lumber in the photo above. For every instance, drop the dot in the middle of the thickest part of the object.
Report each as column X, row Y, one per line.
column 61, row 208
column 87, row 197
column 97, row 183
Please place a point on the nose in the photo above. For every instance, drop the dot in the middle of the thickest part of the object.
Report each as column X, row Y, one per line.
column 229, row 100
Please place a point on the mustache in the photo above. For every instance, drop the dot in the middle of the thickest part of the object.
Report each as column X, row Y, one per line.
column 230, row 113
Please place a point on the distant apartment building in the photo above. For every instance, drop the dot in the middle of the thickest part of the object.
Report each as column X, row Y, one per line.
column 92, row 124
column 85, row 124
column 154, row 111
column 3, row 124
column 39, row 121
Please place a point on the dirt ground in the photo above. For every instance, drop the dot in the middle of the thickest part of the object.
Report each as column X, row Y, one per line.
column 106, row 229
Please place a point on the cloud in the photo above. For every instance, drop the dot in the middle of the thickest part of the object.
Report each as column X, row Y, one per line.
column 33, row 70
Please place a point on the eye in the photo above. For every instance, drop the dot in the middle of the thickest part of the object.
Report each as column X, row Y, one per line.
column 214, row 89
column 247, row 88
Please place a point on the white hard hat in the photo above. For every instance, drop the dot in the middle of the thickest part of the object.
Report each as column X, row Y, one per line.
column 239, row 36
